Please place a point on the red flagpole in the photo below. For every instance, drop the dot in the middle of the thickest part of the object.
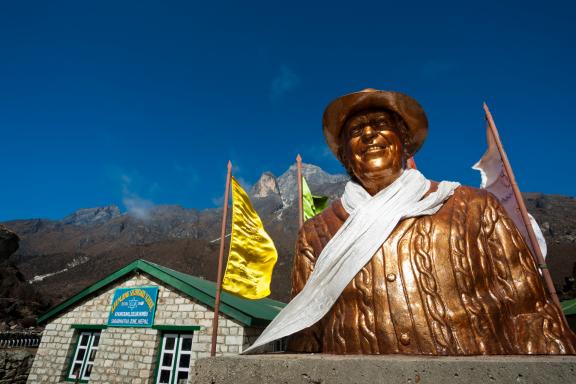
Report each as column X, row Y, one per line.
column 523, row 211
column 300, row 203
column 220, row 262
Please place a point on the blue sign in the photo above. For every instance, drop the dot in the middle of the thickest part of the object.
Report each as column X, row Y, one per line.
column 133, row 307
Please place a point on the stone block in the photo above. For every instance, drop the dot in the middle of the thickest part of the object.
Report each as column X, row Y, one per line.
column 149, row 344
column 388, row 369
column 185, row 308
column 234, row 348
column 206, row 323
column 234, row 340
column 205, row 338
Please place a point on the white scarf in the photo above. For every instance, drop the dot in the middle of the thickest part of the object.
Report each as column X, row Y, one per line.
column 371, row 220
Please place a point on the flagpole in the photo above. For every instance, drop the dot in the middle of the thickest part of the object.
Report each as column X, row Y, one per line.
column 508, row 168
column 300, row 203
column 220, row 262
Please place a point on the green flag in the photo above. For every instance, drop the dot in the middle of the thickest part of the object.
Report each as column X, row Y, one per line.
column 312, row 205
column 569, row 307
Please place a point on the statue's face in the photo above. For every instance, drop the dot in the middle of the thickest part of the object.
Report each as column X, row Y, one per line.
column 373, row 149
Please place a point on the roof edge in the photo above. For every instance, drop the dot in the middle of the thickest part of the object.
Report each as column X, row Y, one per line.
column 91, row 289
column 168, row 279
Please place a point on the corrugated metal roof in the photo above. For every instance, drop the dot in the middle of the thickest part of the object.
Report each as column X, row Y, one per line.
column 248, row 312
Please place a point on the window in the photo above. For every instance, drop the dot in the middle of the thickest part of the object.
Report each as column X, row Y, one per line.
column 280, row 345
column 175, row 358
column 84, row 354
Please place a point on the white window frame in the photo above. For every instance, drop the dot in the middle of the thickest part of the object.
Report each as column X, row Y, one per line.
column 88, row 349
column 177, row 353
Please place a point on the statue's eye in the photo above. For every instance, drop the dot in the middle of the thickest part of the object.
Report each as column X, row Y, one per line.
column 355, row 130
column 381, row 124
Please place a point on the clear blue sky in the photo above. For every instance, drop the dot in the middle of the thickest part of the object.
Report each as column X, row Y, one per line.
column 138, row 102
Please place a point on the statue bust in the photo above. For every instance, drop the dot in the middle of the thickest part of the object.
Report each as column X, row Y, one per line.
column 404, row 265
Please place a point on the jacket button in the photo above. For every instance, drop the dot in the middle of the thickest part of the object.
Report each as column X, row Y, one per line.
column 405, row 339
column 390, row 277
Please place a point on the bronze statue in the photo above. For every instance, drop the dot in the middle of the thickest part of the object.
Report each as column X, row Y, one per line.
column 455, row 278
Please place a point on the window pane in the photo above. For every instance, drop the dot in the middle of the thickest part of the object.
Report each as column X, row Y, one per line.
column 88, row 370
column 164, row 376
column 167, row 360
column 182, row 377
column 92, row 355
column 84, row 339
column 184, row 361
column 96, row 340
column 170, row 343
column 187, row 344
column 81, row 354
column 76, row 369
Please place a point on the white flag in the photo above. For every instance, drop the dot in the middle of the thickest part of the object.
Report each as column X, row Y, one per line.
column 495, row 180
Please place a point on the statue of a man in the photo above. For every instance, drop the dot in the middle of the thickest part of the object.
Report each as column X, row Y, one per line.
column 404, row 265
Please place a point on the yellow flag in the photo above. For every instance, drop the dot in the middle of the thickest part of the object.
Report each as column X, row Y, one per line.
column 252, row 252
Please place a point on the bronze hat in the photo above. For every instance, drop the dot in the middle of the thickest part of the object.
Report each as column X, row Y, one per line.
column 407, row 108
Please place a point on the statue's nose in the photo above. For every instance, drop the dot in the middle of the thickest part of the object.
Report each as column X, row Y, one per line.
column 368, row 132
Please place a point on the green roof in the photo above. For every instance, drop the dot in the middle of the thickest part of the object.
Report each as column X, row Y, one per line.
column 569, row 307
column 248, row 312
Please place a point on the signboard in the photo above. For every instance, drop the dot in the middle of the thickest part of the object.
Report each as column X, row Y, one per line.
column 133, row 307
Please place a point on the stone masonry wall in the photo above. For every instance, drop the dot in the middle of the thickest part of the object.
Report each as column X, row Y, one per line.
column 15, row 363
column 130, row 354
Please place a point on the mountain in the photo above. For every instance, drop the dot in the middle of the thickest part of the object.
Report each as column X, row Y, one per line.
column 61, row 257
column 20, row 302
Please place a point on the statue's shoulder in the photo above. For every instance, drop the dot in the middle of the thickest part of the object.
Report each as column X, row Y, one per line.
column 474, row 196
column 328, row 221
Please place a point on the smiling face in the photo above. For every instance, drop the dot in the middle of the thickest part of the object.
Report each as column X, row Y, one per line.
column 373, row 149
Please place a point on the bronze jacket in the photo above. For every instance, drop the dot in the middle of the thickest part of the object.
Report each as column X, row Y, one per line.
column 459, row 282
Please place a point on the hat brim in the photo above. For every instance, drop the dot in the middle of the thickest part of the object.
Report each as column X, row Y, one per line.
column 407, row 108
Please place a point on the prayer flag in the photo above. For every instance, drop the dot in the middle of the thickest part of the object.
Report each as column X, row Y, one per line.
column 495, row 180
column 312, row 205
column 252, row 252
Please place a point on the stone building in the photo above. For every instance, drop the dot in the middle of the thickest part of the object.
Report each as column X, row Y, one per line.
column 144, row 323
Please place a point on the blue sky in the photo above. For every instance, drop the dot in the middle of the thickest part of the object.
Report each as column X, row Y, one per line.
column 137, row 102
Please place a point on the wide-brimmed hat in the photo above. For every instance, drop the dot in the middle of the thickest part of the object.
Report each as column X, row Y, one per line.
column 407, row 108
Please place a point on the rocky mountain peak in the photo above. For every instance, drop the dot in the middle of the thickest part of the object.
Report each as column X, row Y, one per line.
column 315, row 177
column 92, row 216
column 266, row 186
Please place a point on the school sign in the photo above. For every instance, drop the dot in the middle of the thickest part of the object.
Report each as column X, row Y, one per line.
column 133, row 307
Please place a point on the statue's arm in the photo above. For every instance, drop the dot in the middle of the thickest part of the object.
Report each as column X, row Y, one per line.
column 308, row 340
column 538, row 324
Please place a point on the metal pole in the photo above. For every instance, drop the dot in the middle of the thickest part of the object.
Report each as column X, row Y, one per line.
column 220, row 261
column 300, row 203
column 508, row 168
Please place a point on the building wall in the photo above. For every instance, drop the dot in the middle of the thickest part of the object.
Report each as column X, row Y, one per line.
column 130, row 354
